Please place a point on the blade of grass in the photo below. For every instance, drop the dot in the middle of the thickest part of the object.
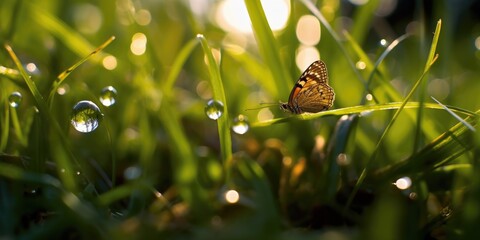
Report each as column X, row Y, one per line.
column 15, row 173
column 219, row 94
column 448, row 146
column 17, row 127
column 62, row 76
column 58, row 142
column 268, row 46
column 71, row 38
column 359, row 110
column 455, row 115
column 184, row 163
column 430, row 62
column 5, row 125
column 431, row 55
column 177, row 65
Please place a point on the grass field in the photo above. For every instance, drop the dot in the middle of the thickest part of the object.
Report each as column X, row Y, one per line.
column 161, row 119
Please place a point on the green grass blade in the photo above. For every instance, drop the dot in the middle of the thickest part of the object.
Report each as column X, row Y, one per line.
column 184, row 163
column 430, row 62
column 360, row 110
column 71, row 38
column 58, row 142
column 4, row 125
column 219, row 94
column 62, row 76
column 15, row 173
column 17, row 127
column 431, row 57
column 178, row 64
column 446, row 147
column 455, row 115
column 268, row 46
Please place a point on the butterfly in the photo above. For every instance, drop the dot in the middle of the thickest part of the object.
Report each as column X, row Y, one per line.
column 311, row 93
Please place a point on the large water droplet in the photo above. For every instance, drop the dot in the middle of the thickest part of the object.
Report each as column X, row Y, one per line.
column 108, row 95
column 240, row 124
column 86, row 116
column 214, row 109
column 14, row 99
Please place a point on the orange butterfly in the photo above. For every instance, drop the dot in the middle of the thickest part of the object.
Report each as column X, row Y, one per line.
column 311, row 93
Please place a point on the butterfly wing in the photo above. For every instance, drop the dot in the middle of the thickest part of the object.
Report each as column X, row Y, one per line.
column 312, row 93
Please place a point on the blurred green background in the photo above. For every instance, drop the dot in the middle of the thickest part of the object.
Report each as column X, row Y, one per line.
column 157, row 166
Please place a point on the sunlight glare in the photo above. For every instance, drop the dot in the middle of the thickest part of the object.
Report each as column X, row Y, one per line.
column 232, row 15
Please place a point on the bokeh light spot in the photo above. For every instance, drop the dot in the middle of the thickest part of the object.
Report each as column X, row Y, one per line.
column 232, row 196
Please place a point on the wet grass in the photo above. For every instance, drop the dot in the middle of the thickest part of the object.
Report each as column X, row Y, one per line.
column 157, row 166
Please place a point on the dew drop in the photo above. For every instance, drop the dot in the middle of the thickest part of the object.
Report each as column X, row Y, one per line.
column 14, row 99
column 240, row 124
column 214, row 109
column 86, row 116
column 108, row 95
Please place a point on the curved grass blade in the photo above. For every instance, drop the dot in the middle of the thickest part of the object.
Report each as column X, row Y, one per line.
column 61, row 152
column 72, row 39
column 219, row 94
column 446, row 147
column 62, row 76
column 431, row 55
column 4, row 125
column 177, row 65
column 454, row 115
column 359, row 110
column 184, row 163
column 430, row 61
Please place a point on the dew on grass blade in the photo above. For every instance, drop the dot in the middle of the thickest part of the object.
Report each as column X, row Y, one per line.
column 86, row 116
column 214, row 109
column 240, row 124
column 108, row 95
column 14, row 99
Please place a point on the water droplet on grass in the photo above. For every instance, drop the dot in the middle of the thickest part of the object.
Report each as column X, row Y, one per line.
column 86, row 116
column 214, row 109
column 14, row 99
column 240, row 124
column 108, row 95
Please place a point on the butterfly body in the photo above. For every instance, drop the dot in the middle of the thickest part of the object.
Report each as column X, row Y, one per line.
column 311, row 92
